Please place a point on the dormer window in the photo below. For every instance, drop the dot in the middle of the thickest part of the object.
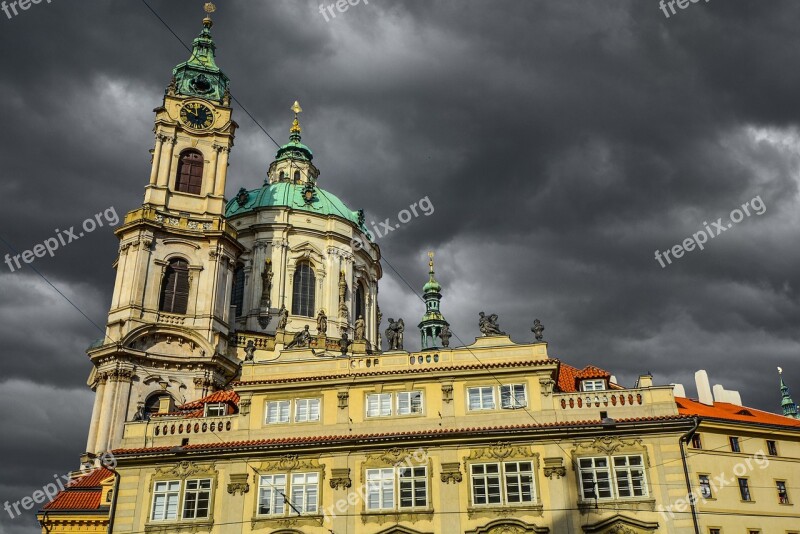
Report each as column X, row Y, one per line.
column 216, row 409
column 593, row 385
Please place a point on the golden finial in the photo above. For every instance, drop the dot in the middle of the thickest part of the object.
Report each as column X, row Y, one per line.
column 430, row 263
column 209, row 7
column 296, row 123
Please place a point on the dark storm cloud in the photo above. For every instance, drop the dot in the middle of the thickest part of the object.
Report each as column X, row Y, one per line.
column 561, row 143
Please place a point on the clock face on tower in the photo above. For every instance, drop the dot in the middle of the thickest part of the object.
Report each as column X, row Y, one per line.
column 197, row 115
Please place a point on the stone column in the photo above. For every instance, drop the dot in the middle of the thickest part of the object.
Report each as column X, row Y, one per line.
column 104, row 426
column 124, row 378
column 165, row 166
column 156, row 158
column 222, row 168
column 100, row 389
column 210, row 180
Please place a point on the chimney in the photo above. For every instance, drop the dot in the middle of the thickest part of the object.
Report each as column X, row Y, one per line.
column 678, row 390
column 703, row 388
column 645, row 381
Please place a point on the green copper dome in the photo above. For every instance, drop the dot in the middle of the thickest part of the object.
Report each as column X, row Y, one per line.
column 200, row 76
column 291, row 195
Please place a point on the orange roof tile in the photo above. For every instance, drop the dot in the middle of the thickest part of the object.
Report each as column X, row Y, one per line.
column 568, row 376
column 229, row 396
column 732, row 412
column 312, row 440
column 82, row 493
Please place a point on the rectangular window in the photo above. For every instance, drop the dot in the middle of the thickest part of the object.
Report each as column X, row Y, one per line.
column 593, row 385
column 271, row 493
column 697, row 441
column 734, row 444
column 714, row 531
column 519, row 482
column 306, row 410
column 481, row 398
column 278, row 412
column 705, row 487
column 783, row 495
column 595, row 478
column 409, row 402
column 216, row 410
column 196, row 498
column 485, row 484
column 413, row 487
column 744, row 489
column 512, row 396
column 165, row 500
column 629, row 473
column 772, row 448
column 305, row 492
column 379, row 405
column 380, row 489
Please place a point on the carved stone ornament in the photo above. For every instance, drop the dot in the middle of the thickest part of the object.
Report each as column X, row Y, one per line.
column 609, row 445
column 344, row 399
column 451, row 473
column 244, row 406
column 291, row 462
column 547, row 385
column 397, row 456
column 509, row 526
column 238, row 484
column 554, row 467
column 501, row 451
column 447, row 393
column 186, row 470
column 340, row 478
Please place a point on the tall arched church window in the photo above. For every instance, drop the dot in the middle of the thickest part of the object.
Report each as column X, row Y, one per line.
column 303, row 291
column 190, row 172
column 237, row 291
column 361, row 303
column 175, row 287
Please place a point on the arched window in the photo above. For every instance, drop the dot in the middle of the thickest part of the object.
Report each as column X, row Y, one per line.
column 361, row 303
column 282, row 176
column 175, row 287
column 303, row 291
column 297, row 177
column 190, row 172
column 237, row 292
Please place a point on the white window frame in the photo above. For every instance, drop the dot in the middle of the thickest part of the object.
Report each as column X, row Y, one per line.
column 280, row 412
column 482, row 398
column 308, row 402
column 503, row 478
column 384, row 406
column 612, row 470
column 172, row 489
column 272, row 483
column 598, row 384
column 410, row 395
column 385, row 487
column 215, row 405
column 304, row 491
column 512, row 391
column 705, row 486
column 203, row 487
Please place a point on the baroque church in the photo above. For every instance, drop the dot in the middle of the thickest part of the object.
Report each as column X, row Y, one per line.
column 245, row 383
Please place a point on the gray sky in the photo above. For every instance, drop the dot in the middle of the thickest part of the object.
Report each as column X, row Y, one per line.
column 561, row 143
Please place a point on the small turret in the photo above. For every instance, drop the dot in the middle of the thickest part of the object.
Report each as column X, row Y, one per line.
column 433, row 324
column 787, row 404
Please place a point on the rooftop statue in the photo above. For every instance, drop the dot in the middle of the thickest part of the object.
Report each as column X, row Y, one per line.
column 488, row 325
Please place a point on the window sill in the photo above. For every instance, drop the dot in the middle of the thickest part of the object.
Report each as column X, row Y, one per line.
column 261, row 521
column 184, row 525
column 633, row 504
column 503, row 510
column 395, row 516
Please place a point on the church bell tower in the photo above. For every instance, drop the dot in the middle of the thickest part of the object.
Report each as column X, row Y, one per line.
column 167, row 333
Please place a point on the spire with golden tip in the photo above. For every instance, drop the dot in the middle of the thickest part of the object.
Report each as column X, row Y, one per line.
column 296, row 129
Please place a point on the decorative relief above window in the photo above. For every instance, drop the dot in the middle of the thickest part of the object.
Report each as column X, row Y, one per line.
column 451, row 473
column 340, row 478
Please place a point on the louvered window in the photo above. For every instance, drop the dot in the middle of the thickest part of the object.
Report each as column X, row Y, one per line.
column 175, row 288
column 237, row 293
column 190, row 172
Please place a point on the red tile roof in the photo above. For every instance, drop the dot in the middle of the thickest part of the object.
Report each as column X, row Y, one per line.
column 82, row 494
column 732, row 412
column 568, row 376
column 386, row 436
column 197, row 408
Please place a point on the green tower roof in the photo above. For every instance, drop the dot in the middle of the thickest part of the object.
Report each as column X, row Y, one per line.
column 200, row 76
